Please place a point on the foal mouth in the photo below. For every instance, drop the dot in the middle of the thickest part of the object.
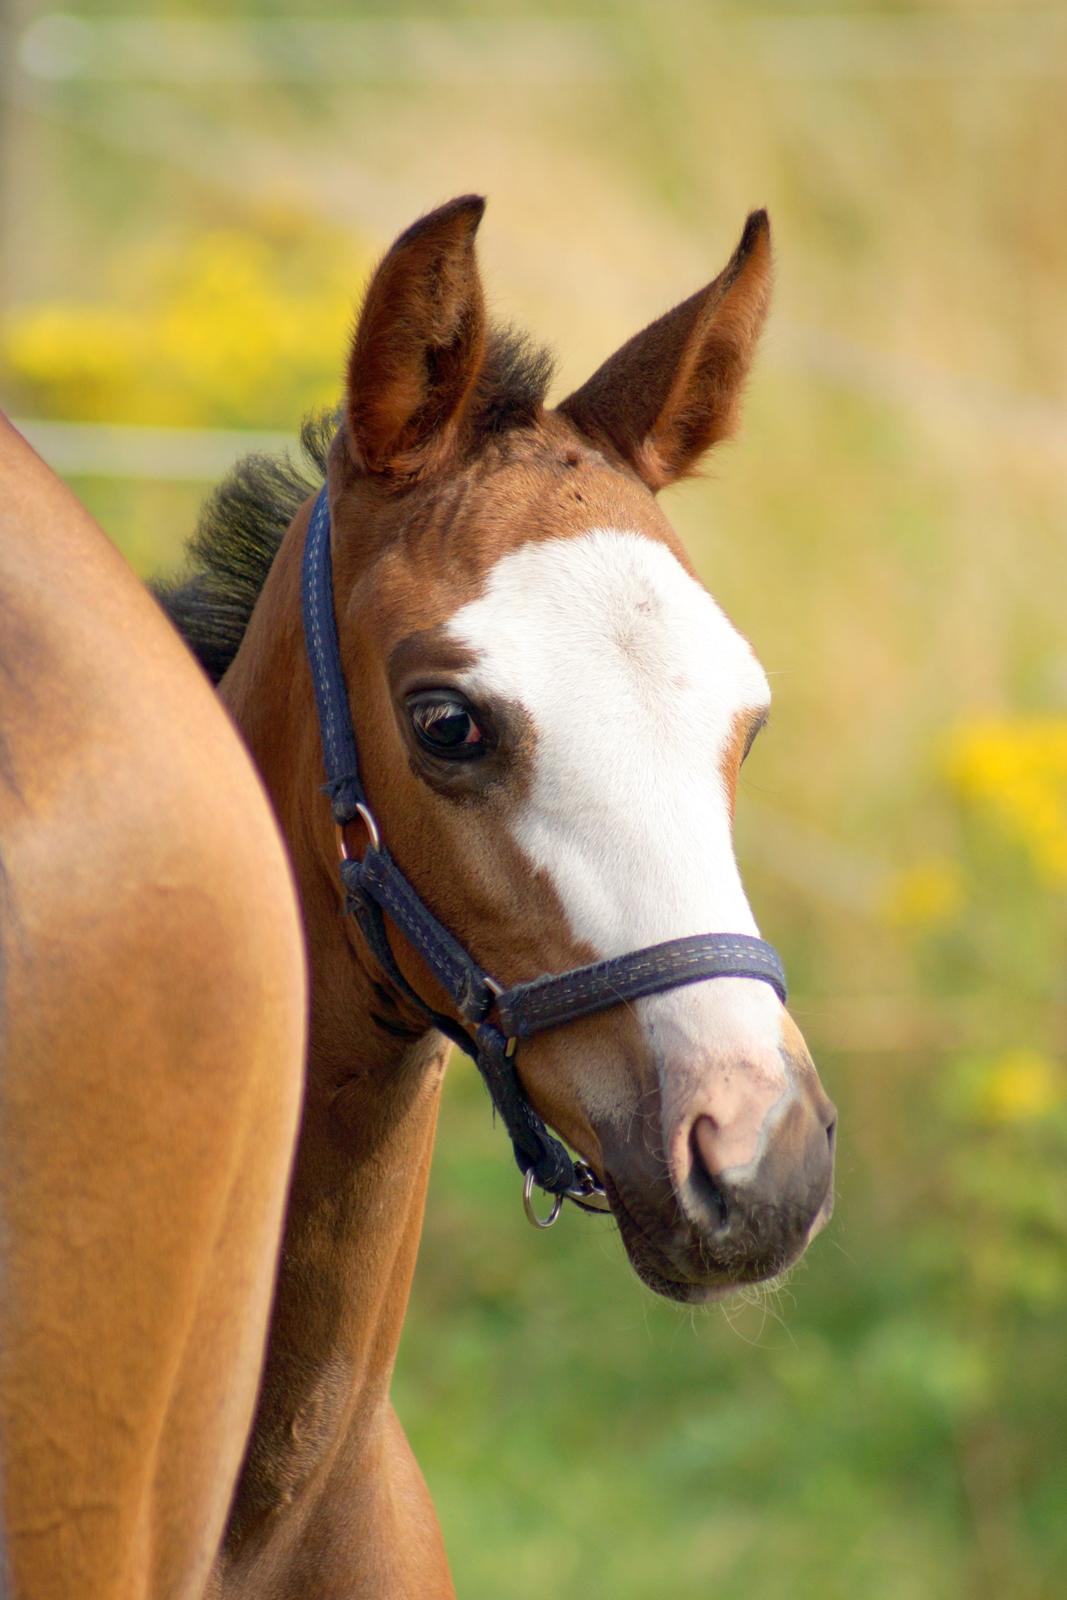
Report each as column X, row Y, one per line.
column 656, row 1269
column 674, row 1261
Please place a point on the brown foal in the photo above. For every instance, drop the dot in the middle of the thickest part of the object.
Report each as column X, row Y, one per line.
column 152, row 1035
column 551, row 713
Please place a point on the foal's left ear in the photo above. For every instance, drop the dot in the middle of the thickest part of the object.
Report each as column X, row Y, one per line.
column 419, row 345
column 674, row 389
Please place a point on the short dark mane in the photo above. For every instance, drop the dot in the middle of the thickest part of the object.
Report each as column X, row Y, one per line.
column 243, row 522
column 513, row 382
column 240, row 528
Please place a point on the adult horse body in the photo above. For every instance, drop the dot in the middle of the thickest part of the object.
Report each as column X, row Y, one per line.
column 550, row 713
column 152, row 1044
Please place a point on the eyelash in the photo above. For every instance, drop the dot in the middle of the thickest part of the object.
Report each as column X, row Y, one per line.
column 431, row 709
column 756, row 729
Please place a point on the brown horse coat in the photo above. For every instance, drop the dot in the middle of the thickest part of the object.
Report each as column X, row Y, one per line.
column 449, row 484
column 152, row 1043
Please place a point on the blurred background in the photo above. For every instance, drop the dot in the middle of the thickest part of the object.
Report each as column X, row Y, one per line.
column 192, row 198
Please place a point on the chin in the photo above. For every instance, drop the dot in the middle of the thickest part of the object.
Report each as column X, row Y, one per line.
column 682, row 1274
column 685, row 1294
column 683, row 1291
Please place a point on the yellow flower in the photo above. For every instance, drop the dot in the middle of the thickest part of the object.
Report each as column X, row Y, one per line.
column 240, row 328
column 1015, row 772
column 1021, row 1086
column 925, row 895
column 75, row 355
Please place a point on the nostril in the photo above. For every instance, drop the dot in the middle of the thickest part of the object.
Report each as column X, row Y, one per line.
column 831, row 1133
column 702, row 1138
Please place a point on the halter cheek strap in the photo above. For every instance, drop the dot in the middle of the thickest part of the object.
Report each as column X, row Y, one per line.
column 493, row 1019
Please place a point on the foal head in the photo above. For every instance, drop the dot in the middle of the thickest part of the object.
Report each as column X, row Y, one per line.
column 552, row 712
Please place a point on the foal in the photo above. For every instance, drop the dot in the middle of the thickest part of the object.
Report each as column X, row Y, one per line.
column 551, row 714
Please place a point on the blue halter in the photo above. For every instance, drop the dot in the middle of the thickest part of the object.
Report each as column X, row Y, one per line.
column 494, row 1019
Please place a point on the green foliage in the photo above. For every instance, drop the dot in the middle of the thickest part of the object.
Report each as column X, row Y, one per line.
column 891, row 1422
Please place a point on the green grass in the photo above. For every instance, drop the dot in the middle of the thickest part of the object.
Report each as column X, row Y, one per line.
column 889, row 532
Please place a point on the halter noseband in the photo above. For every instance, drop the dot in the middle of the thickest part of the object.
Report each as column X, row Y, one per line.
column 496, row 1018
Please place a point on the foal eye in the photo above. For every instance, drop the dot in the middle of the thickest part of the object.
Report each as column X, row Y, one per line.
column 446, row 725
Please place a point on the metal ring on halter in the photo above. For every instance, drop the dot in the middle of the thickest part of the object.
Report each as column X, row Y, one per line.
column 527, row 1203
column 366, row 816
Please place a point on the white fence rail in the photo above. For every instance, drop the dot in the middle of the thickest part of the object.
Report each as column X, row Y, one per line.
column 117, row 450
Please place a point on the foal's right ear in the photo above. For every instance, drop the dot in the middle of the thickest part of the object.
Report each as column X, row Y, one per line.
column 419, row 345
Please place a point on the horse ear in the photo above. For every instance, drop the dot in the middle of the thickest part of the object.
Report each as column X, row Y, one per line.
column 674, row 390
column 419, row 345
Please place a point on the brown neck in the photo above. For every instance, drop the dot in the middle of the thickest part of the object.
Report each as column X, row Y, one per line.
column 359, row 1179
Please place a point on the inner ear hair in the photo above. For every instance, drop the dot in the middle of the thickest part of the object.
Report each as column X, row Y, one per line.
column 419, row 345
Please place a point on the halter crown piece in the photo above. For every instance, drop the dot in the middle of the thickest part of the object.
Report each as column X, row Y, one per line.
column 494, row 1018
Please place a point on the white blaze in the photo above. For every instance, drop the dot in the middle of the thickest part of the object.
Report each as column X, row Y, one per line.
column 632, row 678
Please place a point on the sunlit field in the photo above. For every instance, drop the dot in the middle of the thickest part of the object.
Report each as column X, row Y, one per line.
column 191, row 206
